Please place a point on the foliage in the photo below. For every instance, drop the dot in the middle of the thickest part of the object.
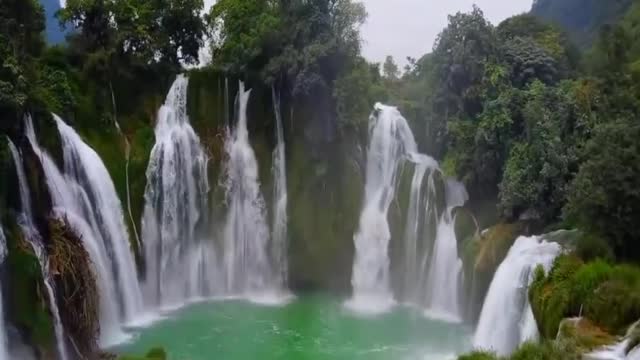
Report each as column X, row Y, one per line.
column 584, row 335
column 304, row 45
column 137, row 31
column 581, row 18
column 153, row 354
column 390, row 69
column 606, row 294
column 546, row 350
column 21, row 26
column 604, row 197
column 478, row 355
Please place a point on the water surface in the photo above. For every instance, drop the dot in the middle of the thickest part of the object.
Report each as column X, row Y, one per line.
column 308, row 328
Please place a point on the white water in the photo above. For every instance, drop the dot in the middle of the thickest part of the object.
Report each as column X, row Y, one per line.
column 180, row 264
column 246, row 234
column 84, row 195
column 506, row 320
column 279, row 172
column 617, row 351
column 390, row 144
column 102, row 209
column 32, row 235
column 444, row 279
column 4, row 342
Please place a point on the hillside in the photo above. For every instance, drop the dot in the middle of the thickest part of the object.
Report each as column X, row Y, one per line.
column 581, row 18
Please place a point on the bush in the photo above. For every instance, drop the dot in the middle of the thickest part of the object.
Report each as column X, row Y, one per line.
column 479, row 355
column 153, row 354
column 590, row 247
column 614, row 305
column 545, row 351
column 608, row 295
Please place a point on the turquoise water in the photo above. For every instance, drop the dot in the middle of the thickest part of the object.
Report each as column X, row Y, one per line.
column 308, row 328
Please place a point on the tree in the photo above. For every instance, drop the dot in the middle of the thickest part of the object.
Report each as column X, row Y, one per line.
column 143, row 32
column 304, row 45
column 604, row 197
column 21, row 27
column 390, row 69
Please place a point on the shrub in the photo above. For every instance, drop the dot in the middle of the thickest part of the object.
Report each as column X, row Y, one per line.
column 479, row 355
column 551, row 296
column 545, row 351
column 590, row 247
column 614, row 305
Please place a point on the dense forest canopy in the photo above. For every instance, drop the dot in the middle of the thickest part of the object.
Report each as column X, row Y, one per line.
column 582, row 19
column 511, row 109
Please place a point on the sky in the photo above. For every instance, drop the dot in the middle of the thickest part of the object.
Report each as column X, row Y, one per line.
column 404, row 28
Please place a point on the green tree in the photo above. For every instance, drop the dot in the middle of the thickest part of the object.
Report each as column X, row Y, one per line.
column 390, row 69
column 21, row 27
column 605, row 197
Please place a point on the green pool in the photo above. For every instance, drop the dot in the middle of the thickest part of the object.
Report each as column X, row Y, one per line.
column 307, row 328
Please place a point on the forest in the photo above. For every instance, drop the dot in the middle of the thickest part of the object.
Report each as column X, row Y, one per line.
column 537, row 116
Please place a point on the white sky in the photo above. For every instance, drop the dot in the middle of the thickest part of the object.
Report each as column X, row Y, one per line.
column 404, row 28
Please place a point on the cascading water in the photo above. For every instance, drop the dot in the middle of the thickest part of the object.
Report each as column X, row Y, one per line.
column 432, row 269
column 246, row 234
column 84, row 195
column 506, row 320
column 180, row 264
column 279, row 171
column 421, row 213
column 32, row 235
column 391, row 142
column 444, row 279
column 103, row 210
column 4, row 342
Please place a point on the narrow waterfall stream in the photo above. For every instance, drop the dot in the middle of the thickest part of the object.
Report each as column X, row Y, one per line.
column 32, row 235
column 506, row 320
column 4, row 342
column 279, row 172
column 180, row 263
column 445, row 271
column 246, row 234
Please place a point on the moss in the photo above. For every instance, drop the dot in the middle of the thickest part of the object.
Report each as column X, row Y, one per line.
column 153, row 354
column 494, row 244
column 584, row 334
column 27, row 306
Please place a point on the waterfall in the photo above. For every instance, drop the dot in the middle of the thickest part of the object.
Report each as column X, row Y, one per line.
column 279, row 172
column 32, row 235
column 179, row 263
column 4, row 342
column 421, row 213
column 84, row 195
column 444, row 279
column 390, row 143
column 506, row 320
column 431, row 274
column 246, row 234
